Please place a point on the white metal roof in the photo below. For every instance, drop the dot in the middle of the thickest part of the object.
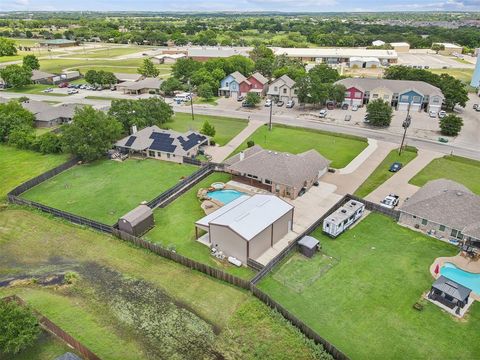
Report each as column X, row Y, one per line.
column 335, row 52
column 248, row 217
column 206, row 220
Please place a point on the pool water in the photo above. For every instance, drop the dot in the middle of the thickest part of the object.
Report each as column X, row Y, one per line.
column 465, row 278
column 225, row 196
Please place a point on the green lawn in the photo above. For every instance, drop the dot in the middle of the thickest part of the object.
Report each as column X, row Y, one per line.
column 36, row 89
column 32, row 243
column 212, row 101
column 47, row 347
column 57, row 65
column 226, row 128
column 107, row 52
column 105, row 190
column 18, row 166
column 340, row 149
column 456, row 168
column 462, row 74
column 363, row 304
column 175, row 228
column 381, row 173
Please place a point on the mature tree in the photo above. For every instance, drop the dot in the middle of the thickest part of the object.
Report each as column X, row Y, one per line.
column 106, row 77
column 16, row 75
column 438, row 47
column 91, row 77
column 379, row 113
column 31, row 62
column 18, row 327
column 205, row 91
column 454, row 91
column 142, row 113
column 208, row 129
column 13, row 116
column 22, row 137
column 292, row 71
column 239, row 63
column 323, row 74
column 252, row 98
column 261, row 52
column 148, row 69
column 48, row 143
column 451, row 125
column 184, row 68
column 7, row 47
column 91, row 134
column 170, row 85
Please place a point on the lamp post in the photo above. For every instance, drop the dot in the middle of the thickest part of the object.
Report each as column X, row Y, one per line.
column 191, row 99
column 406, row 124
column 270, row 121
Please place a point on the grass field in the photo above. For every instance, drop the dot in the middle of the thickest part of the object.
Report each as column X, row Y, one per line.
column 363, row 304
column 114, row 305
column 339, row 149
column 57, row 65
column 462, row 74
column 18, row 166
column 456, row 168
column 105, row 190
column 175, row 227
column 381, row 173
column 107, row 52
column 226, row 128
column 212, row 101
column 36, row 89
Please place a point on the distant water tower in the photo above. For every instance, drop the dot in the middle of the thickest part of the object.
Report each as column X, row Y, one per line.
column 476, row 74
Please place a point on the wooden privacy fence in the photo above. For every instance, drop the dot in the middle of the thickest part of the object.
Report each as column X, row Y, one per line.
column 394, row 214
column 57, row 331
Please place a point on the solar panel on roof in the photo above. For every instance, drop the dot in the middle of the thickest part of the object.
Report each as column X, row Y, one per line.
column 162, row 142
column 130, row 140
column 193, row 140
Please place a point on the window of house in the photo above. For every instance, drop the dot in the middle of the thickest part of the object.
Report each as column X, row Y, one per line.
column 456, row 234
column 284, row 90
column 417, row 99
column 358, row 94
column 386, row 97
column 441, row 228
column 375, row 96
column 269, row 182
column 275, row 88
column 168, row 155
column 159, row 154
column 424, row 222
column 277, row 188
column 435, row 100
column 151, row 153
column 404, row 98
column 288, row 192
column 226, row 84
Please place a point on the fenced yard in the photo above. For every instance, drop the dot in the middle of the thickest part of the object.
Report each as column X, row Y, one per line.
column 105, row 190
column 364, row 304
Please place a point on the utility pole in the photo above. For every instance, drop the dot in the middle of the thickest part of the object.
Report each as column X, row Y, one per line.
column 191, row 99
column 270, row 122
column 405, row 125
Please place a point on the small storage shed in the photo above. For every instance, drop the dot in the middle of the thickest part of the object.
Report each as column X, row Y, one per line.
column 308, row 246
column 138, row 221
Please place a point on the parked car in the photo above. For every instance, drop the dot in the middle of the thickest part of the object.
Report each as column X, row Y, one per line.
column 390, row 201
column 365, row 119
column 477, row 109
column 475, row 106
column 348, row 117
column 396, row 166
column 280, row 103
column 83, row 86
column 240, row 98
column 442, row 114
column 330, row 105
column 354, row 107
column 432, row 113
column 443, row 140
column 323, row 113
column 48, row 90
column 290, row 104
column 72, row 91
column 63, row 84
column 247, row 105
column 268, row 103
column 344, row 106
column 426, row 67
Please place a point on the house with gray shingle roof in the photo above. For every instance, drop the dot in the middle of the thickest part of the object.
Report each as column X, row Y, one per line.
column 444, row 209
column 282, row 88
column 281, row 173
column 47, row 115
column 154, row 142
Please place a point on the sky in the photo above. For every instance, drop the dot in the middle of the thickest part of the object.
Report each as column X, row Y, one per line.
column 240, row 5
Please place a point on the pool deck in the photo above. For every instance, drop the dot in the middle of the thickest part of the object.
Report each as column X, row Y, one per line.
column 462, row 262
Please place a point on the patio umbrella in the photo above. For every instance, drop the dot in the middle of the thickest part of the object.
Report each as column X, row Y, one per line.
column 437, row 269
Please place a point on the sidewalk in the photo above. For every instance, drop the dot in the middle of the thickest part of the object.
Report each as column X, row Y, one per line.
column 398, row 183
column 220, row 153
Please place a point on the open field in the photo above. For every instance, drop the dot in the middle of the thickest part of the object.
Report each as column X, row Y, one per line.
column 175, row 228
column 128, row 303
column 226, row 128
column 105, row 190
column 107, row 52
column 364, row 303
column 456, row 168
column 339, row 149
column 57, row 65
column 464, row 75
column 381, row 173
column 18, row 166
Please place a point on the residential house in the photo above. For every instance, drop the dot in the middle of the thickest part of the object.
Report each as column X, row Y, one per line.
column 258, row 83
column 283, row 174
column 47, row 115
column 147, row 85
column 248, row 226
column 234, row 85
column 282, row 88
column 444, row 209
column 156, row 143
column 401, row 94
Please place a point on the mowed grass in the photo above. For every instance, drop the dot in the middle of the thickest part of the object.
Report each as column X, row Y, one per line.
column 382, row 174
column 18, row 166
column 30, row 240
column 107, row 52
column 105, row 190
column 456, row 168
column 175, row 228
column 57, row 65
column 339, row 149
column 36, row 89
column 363, row 304
column 226, row 128
column 462, row 74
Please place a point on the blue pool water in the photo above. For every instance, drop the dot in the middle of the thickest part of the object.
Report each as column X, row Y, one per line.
column 465, row 278
column 225, row 196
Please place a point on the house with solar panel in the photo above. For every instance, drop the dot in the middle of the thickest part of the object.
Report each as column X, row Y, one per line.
column 168, row 145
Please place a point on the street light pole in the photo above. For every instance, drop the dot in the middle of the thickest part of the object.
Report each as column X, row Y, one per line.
column 405, row 125
column 270, row 122
column 191, row 99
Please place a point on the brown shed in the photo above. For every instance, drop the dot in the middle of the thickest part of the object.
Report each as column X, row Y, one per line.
column 138, row 221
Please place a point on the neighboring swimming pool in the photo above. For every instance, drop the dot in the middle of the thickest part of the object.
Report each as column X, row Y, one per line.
column 225, row 196
column 465, row 278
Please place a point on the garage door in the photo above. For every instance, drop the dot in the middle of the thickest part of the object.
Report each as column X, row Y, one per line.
column 402, row 107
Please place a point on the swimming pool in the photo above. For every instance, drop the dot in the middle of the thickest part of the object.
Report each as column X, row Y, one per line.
column 465, row 278
column 225, row 196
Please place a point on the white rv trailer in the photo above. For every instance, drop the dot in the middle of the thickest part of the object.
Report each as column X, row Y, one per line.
column 340, row 220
